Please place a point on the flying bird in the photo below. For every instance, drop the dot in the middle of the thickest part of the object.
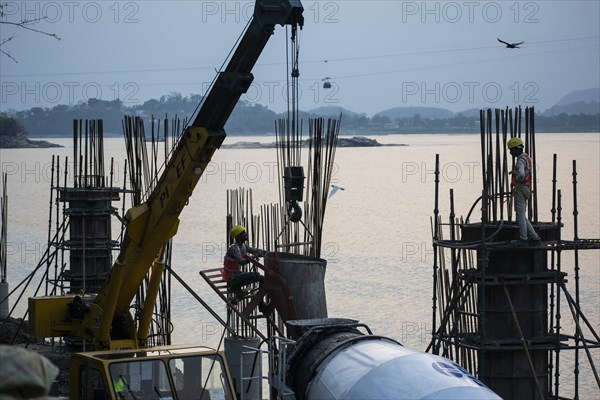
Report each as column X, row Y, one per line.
column 511, row 45
column 334, row 189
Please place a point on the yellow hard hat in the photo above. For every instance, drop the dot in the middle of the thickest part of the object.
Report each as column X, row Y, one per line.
column 236, row 230
column 514, row 142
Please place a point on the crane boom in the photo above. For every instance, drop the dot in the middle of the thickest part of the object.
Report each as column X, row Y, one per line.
column 151, row 224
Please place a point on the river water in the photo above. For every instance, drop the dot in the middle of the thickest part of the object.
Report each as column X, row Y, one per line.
column 377, row 233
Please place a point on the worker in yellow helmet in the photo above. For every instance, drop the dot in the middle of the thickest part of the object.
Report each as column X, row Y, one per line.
column 237, row 255
column 521, row 190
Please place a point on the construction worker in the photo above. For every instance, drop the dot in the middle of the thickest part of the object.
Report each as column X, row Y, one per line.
column 119, row 382
column 521, row 190
column 234, row 258
column 120, row 386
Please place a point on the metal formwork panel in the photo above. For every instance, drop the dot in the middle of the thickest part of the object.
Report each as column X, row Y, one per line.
column 90, row 245
column 502, row 358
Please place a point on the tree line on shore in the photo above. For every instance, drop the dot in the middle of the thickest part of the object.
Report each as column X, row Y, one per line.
column 252, row 119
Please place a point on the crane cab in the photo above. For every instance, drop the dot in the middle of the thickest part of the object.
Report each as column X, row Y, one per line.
column 167, row 372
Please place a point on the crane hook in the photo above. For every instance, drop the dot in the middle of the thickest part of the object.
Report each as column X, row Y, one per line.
column 294, row 211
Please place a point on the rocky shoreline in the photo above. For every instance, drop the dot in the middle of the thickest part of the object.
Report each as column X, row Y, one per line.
column 22, row 142
column 356, row 141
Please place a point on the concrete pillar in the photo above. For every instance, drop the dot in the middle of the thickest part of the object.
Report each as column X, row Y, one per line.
column 523, row 273
column 90, row 245
column 503, row 362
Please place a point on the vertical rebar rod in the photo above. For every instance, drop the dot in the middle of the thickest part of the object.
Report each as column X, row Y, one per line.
column 505, row 183
column 482, row 125
column 534, row 159
column 553, row 210
column 92, row 152
column 435, row 255
column 75, row 134
column 510, row 122
column 57, row 208
column 491, row 167
column 497, row 170
column 64, row 226
column 112, row 171
column 527, row 136
column 102, row 152
column 153, row 140
column 124, row 197
column 576, row 254
column 489, row 184
column 491, row 212
column 518, row 118
column 85, row 153
column 512, row 134
column 79, row 172
column 528, row 148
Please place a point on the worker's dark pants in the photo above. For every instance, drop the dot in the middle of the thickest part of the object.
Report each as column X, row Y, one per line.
column 242, row 279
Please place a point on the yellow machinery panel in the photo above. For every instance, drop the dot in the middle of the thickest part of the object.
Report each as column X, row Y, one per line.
column 156, row 372
column 48, row 316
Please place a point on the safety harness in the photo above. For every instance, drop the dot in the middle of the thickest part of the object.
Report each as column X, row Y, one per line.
column 515, row 184
column 230, row 265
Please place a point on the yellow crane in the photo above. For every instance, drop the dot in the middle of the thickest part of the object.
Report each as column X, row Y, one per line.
column 122, row 361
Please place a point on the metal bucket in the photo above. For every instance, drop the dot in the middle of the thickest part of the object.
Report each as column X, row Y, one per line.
column 303, row 279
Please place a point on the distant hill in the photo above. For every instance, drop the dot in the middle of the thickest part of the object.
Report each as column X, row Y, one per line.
column 591, row 108
column 576, row 96
column 471, row 112
column 409, row 112
column 577, row 102
column 332, row 111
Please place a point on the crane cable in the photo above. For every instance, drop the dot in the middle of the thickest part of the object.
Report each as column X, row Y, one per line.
column 292, row 56
column 294, row 133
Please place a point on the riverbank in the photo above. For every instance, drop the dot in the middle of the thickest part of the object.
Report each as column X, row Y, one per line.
column 356, row 141
column 22, row 142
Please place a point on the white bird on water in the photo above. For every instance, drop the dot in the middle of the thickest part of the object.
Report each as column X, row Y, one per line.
column 334, row 189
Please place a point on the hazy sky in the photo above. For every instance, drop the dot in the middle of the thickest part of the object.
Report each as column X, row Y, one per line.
column 379, row 54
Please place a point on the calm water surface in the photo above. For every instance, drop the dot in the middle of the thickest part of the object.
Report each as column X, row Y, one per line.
column 377, row 232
